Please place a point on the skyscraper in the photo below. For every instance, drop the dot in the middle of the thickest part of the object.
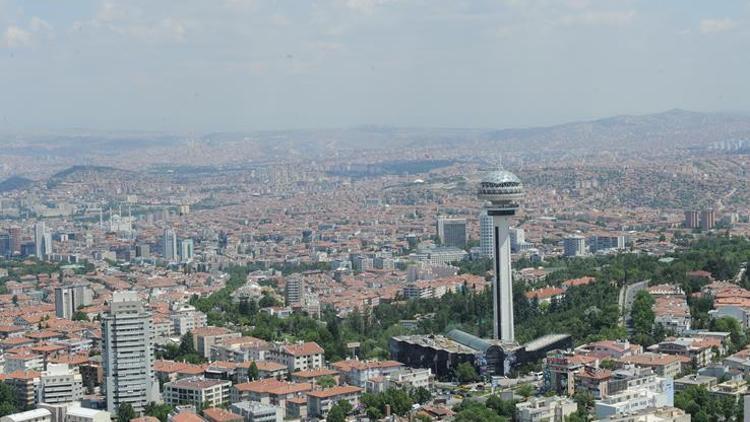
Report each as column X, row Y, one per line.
column 128, row 353
column 186, row 250
column 452, row 231
column 500, row 191
column 42, row 240
column 169, row 245
column 5, row 245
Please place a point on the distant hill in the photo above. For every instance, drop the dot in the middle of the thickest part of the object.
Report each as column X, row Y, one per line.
column 14, row 183
column 81, row 171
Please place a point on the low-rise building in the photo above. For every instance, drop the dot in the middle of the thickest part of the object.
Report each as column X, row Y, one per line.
column 36, row 415
column 320, row 402
column 257, row 412
column 654, row 392
column 547, row 409
column 197, row 391
column 662, row 364
column 298, row 356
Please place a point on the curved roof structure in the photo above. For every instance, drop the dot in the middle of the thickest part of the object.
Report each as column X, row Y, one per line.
column 500, row 176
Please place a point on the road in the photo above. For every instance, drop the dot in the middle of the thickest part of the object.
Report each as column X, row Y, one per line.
column 627, row 296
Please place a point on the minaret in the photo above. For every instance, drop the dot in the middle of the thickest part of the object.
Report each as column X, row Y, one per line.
column 500, row 191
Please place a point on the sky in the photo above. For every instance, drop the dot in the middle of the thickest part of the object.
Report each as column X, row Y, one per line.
column 242, row 65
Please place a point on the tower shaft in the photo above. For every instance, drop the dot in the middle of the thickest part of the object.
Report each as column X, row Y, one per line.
column 502, row 285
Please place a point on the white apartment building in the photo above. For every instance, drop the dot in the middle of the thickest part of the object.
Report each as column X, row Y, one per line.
column 128, row 353
column 36, row 415
column 60, row 384
column 652, row 391
column 298, row 356
column 547, row 409
column 197, row 391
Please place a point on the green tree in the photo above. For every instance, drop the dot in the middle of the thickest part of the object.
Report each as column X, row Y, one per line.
column 252, row 371
column 421, row 395
column 526, row 390
column 80, row 316
column 125, row 412
column 326, row 381
column 187, row 347
column 159, row 411
column 8, row 402
column 339, row 411
column 465, row 372
column 473, row 411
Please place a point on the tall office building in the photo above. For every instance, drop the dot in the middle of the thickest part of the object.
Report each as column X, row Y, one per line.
column 42, row 240
column 142, row 251
column 692, row 220
column 485, row 235
column 186, row 250
column 574, row 245
column 5, row 245
column 128, row 353
column 452, row 231
column 501, row 191
column 169, row 244
column 708, row 219
column 69, row 298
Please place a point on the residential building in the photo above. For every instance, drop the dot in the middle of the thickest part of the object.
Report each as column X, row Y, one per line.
column 36, row 415
column 545, row 409
column 257, row 412
column 24, row 384
column 319, row 402
column 128, row 353
column 294, row 291
column 662, row 364
column 60, row 384
column 357, row 372
column 657, row 392
column 69, row 298
column 574, row 245
column 197, row 391
column 662, row 414
column 206, row 337
column 298, row 356
column 83, row 414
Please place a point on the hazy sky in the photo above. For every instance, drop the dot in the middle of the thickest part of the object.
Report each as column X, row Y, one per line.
column 263, row 64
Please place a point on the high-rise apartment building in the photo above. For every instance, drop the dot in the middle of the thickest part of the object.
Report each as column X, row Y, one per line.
column 485, row 235
column 452, row 231
column 294, row 291
column 692, row 220
column 128, row 353
column 69, row 298
column 708, row 219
